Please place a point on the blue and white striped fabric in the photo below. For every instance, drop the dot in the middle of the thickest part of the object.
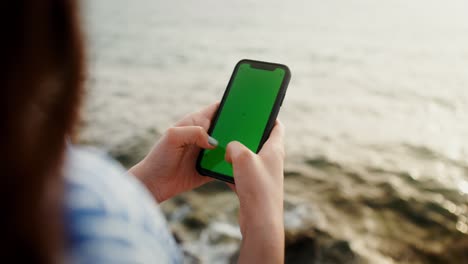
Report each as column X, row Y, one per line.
column 110, row 216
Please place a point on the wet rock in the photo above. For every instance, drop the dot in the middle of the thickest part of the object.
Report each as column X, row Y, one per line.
column 302, row 250
column 195, row 221
column 424, row 214
column 291, row 174
column 306, row 240
column 322, row 163
column 316, row 246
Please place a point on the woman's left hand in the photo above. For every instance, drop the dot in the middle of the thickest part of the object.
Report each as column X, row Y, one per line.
column 169, row 168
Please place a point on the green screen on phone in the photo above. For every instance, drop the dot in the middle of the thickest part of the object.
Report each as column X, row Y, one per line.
column 244, row 114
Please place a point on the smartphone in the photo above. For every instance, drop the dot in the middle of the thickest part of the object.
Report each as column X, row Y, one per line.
column 247, row 113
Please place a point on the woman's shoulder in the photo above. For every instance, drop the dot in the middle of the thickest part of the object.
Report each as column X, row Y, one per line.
column 110, row 215
column 95, row 172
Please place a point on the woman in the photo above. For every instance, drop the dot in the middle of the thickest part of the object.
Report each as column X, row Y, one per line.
column 64, row 203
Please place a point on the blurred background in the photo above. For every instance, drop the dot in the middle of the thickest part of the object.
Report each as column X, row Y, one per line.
column 375, row 114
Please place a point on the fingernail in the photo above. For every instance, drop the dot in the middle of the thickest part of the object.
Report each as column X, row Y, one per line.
column 213, row 142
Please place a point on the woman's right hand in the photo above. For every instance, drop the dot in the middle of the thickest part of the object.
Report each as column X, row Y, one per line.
column 259, row 186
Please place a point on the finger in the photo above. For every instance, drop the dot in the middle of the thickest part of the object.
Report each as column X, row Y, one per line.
column 194, row 119
column 238, row 153
column 190, row 135
column 201, row 118
column 275, row 143
column 277, row 134
column 210, row 110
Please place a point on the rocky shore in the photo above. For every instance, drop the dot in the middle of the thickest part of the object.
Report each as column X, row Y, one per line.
column 333, row 214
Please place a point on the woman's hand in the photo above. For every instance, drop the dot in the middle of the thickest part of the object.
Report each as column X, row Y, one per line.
column 259, row 186
column 169, row 168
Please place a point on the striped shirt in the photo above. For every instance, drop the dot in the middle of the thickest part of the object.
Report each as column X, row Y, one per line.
column 110, row 216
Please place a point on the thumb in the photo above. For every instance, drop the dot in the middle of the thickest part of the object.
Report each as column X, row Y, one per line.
column 238, row 153
column 190, row 135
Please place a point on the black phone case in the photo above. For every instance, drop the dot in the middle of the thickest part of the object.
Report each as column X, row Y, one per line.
column 271, row 120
